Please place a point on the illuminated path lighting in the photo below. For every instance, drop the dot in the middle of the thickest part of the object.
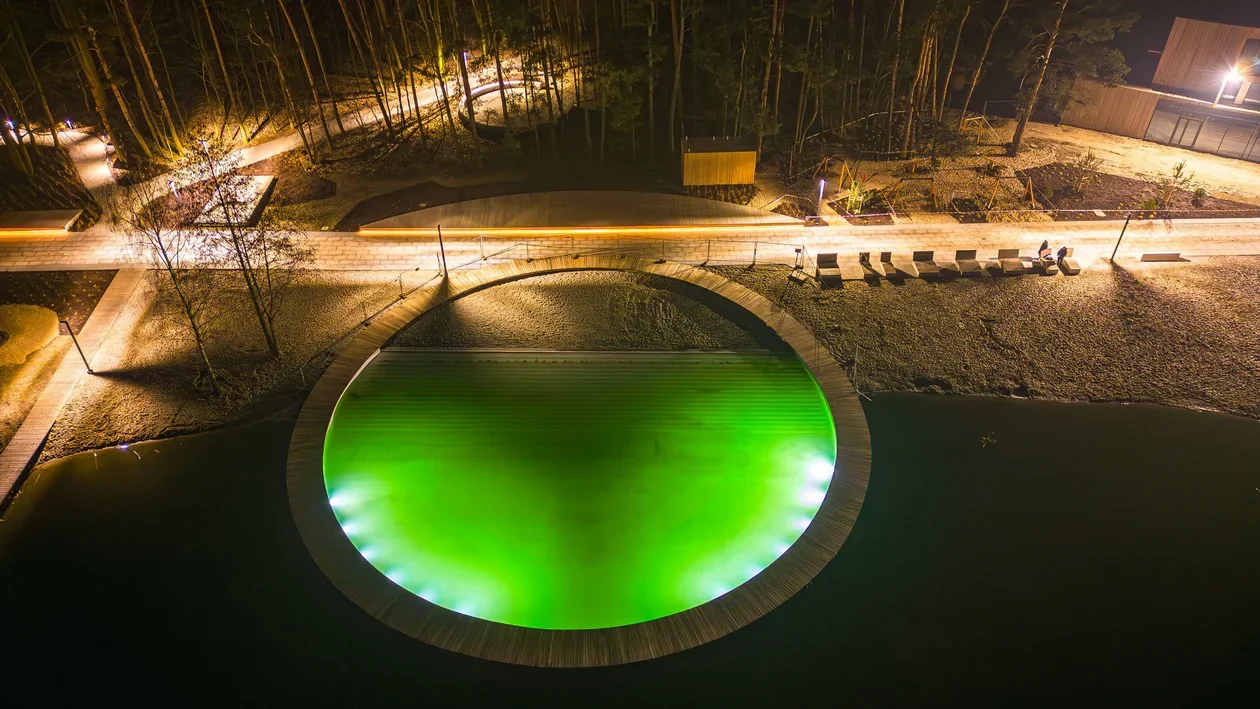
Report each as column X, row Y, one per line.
column 577, row 490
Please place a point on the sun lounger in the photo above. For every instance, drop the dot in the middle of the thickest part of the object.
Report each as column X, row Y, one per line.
column 905, row 268
column 1069, row 265
column 828, row 270
column 886, row 267
column 926, row 266
column 1161, row 257
column 852, row 271
column 1010, row 263
column 967, row 263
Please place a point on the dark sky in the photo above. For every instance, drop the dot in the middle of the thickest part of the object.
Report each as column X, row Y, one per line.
column 1151, row 31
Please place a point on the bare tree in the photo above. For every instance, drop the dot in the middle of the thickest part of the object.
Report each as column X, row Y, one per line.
column 268, row 254
column 182, row 257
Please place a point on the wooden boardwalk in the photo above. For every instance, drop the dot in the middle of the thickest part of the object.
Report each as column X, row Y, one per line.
column 371, row 591
column 22, row 450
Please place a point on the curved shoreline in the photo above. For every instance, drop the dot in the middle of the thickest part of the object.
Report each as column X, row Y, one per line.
column 402, row 610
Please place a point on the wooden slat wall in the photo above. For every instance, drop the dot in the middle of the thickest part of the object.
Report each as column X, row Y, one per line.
column 719, row 168
column 1121, row 110
column 1198, row 54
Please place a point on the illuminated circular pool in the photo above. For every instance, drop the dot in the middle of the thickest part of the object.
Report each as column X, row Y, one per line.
column 576, row 490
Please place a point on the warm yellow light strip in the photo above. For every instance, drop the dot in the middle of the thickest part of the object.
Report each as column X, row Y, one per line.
column 583, row 230
column 30, row 233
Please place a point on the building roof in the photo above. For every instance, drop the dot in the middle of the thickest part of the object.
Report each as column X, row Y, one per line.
column 719, row 145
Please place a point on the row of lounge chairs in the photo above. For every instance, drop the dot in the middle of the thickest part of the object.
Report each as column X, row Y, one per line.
column 831, row 270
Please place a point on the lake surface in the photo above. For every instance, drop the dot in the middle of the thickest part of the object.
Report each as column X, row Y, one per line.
column 1008, row 551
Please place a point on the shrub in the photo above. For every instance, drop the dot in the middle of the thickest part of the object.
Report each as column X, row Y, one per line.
column 1086, row 172
column 1200, row 196
column 1177, row 180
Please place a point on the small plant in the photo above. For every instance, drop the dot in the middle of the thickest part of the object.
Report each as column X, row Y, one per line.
column 855, row 201
column 1048, row 194
column 1177, row 180
column 992, row 169
column 1199, row 197
column 1150, row 205
column 1086, row 172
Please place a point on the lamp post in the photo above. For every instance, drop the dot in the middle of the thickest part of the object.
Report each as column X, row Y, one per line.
column 1122, row 230
column 82, row 356
column 821, row 184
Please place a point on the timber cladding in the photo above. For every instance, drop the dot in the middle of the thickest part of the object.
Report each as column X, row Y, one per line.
column 370, row 590
column 1122, row 110
column 719, row 168
column 1198, row 54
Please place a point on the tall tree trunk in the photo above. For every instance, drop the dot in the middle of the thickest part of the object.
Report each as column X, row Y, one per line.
column 13, row 145
column 975, row 76
column 1031, row 102
column 763, row 113
column 892, row 84
column 953, row 58
column 294, row 119
column 797, row 138
column 914, row 96
column 175, row 140
column 857, row 92
column 373, row 75
column 32, row 74
column 677, row 24
column 146, row 109
column 181, row 128
column 96, row 88
column 113, row 87
column 227, row 78
column 739, row 92
column 498, row 73
column 310, row 77
column 319, row 58
column 468, row 97
column 651, row 77
column 602, row 87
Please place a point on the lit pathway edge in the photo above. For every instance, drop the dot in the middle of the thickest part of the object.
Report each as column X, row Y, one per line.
column 403, row 611
column 367, row 250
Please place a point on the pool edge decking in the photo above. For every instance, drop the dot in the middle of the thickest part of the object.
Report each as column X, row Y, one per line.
column 407, row 613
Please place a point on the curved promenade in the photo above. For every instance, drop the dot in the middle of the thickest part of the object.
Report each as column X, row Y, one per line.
column 410, row 614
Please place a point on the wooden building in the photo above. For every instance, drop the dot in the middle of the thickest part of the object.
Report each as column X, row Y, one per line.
column 718, row 161
column 1205, row 94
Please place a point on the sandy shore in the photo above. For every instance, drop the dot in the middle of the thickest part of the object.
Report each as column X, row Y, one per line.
column 1182, row 334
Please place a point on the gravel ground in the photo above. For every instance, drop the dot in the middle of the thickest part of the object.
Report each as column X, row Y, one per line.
column 1177, row 334
column 1180, row 334
column 145, row 390
column 597, row 310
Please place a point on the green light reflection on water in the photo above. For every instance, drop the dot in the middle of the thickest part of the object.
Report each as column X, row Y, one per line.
column 577, row 490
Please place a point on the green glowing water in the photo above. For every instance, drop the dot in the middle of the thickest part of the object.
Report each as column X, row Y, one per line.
column 577, row 490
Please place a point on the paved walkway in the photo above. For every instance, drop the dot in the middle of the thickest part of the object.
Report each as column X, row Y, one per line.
column 352, row 251
column 26, row 443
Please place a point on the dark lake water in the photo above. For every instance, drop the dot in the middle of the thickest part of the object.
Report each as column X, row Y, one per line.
column 1085, row 553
